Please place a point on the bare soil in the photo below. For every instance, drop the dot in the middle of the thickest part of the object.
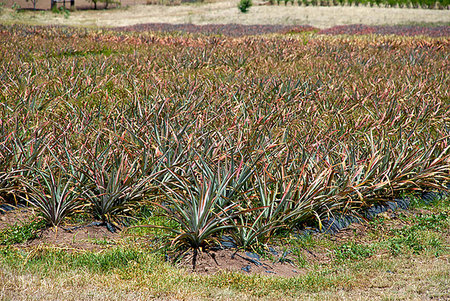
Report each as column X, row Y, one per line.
column 229, row 260
column 134, row 12
column 88, row 238
column 92, row 238
column 18, row 216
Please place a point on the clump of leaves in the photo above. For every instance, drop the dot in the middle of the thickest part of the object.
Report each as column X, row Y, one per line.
column 113, row 180
column 271, row 203
column 53, row 193
column 193, row 203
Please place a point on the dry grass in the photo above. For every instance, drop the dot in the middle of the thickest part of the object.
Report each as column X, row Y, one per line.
column 404, row 278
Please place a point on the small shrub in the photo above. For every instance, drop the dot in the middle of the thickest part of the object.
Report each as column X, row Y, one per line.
column 245, row 5
column 16, row 6
column 61, row 11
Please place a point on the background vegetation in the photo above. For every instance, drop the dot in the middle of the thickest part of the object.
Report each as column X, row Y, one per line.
column 430, row 4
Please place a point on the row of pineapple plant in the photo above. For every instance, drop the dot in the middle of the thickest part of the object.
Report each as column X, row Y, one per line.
column 242, row 136
column 428, row 4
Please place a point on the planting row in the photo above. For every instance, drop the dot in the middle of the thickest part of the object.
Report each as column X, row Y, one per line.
column 236, row 30
column 245, row 136
column 430, row 4
column 432, row 31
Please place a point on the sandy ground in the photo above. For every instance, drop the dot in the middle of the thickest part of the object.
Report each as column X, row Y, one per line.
column 225, row 12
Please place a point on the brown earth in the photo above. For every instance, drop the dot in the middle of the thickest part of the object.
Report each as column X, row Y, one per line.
column 211, row 262
column 90, row 238
column 18, row 216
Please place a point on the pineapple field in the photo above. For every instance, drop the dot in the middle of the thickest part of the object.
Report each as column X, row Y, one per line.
column 183, row 146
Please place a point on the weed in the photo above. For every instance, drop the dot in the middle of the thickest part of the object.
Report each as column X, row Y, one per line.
column 108, row 261
column 353, row 251
column 20, row 233
column 16, row 6
column 421, row 236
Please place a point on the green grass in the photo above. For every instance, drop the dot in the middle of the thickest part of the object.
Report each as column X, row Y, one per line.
column 424, row 234
column 142, row 266
column 421, row 233
column 21, row 232
column 353, row 251
column 131, row 265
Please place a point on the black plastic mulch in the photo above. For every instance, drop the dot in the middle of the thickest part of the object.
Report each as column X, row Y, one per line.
column 7, row 207
column 339, row 222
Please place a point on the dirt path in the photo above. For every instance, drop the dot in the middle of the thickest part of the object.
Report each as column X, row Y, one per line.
column 225, row 12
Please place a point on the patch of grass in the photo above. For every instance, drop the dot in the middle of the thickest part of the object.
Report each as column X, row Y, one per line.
column 310, row 241
column 151, row 216
column 306, row 241
column 302, row 262
column 437, row 222
column 417, row 240
column 437, row 201
column 301, row 243
column 439, row 205
column 143, row 268
column 21, row 232
column 117, row 258
column 353, row 251
column 257, row 285
column 48, row 259
column 10, row 256
column 422, row 232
